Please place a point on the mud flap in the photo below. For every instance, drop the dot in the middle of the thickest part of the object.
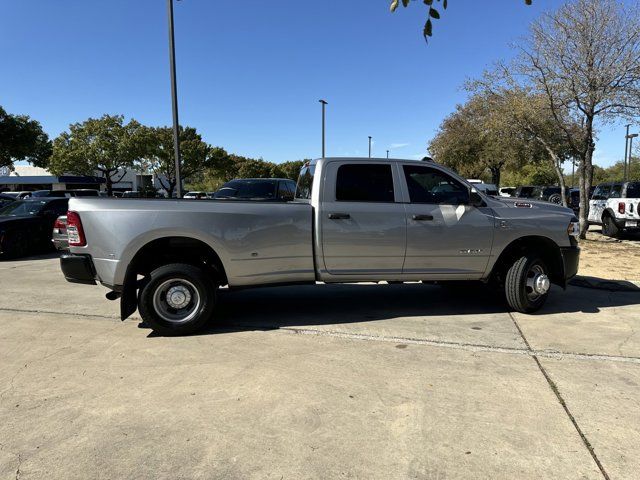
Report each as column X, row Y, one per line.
column 129, row 297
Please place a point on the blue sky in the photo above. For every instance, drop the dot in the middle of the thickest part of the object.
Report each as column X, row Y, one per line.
column 250, row 73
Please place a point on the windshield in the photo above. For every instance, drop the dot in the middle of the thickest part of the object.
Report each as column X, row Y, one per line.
column 305, row 182
column 247, row 189
column 15, row 209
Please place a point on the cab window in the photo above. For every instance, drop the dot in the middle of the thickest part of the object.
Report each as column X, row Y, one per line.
column 616, row 191
column 427, row 185
column 364, row 183
column 601, row 192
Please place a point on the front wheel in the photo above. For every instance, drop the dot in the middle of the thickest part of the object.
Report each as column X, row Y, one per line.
column 178, row 299
column 527, row 284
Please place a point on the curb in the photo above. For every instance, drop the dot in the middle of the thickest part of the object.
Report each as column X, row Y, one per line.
column 605, row 284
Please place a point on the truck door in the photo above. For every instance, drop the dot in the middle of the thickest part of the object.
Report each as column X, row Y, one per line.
column 363, row 227
column 445, row 235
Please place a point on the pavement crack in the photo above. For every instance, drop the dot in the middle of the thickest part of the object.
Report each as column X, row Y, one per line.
column 554, row 388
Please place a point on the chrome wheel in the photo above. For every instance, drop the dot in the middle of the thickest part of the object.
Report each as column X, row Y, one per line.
column 176, row 300
column 537, row 283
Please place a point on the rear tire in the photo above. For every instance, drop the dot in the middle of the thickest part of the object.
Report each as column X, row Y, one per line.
column 609, row 227
column 178, row 299
column 527, row 284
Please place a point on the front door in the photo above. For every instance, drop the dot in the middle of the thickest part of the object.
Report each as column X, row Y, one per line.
column 363, row 221
column 445, row 235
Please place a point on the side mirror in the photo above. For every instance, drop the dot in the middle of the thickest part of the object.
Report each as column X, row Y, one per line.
column 475, row 199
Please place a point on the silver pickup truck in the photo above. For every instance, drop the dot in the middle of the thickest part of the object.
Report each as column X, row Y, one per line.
column 352, row 220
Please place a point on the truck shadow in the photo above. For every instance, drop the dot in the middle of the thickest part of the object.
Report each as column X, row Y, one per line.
column 278, row 307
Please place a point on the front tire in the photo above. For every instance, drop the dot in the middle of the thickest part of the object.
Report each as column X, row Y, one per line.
column 527, row 284
column 178, row 299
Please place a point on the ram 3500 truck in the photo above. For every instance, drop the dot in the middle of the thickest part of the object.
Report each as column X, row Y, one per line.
column 352, row 220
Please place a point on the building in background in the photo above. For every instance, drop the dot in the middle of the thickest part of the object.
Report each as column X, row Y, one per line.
column 30, row 178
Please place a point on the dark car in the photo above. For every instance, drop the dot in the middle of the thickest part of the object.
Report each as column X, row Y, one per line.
column 259, row 189
column 525, row 191
column 26, row 225
column 84, row 192
column 6, row 199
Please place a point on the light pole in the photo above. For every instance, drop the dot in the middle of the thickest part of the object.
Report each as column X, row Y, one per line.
column 626, row 145
column 387, row 153
column 627, row 169
column 369, row 146
column 174, row 99
column 323, row 105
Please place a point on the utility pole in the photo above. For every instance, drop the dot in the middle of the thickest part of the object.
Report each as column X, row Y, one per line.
column 626, row 145
column 323, row 105
column 628, row 169
column 174, row 99
column 369, row 146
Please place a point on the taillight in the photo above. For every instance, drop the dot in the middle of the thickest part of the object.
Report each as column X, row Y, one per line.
column 59, row 224
column 75, row 233
column 621, row 207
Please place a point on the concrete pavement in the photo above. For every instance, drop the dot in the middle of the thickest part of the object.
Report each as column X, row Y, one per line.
column 351, row 381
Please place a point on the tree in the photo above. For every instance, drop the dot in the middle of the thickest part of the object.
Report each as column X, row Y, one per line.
column 478, row 137
column 105, row 145
column 159, row 158
column 22, row 139
column 584, row 59
column 432, row 13
column 529, row 113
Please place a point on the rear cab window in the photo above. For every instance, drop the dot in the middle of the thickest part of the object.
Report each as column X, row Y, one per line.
column 304, row 186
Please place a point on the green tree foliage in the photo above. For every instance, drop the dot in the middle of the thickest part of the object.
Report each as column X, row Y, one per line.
column 479, row 138
column 22, row 139
column 433, row 12
column 105, row 145
column 585, row 59
column 159, row 156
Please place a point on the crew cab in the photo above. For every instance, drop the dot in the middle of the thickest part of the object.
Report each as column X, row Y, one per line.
column 352, row 220
column 614, row 205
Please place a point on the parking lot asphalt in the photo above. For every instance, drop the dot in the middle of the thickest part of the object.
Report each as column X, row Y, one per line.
column 331, row 381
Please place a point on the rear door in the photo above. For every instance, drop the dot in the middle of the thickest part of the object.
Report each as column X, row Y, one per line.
column 363, row 221
column 445, row 235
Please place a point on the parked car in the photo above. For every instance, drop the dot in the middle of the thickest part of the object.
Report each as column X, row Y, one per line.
column 614, row 205
column 26, row 225
column 488, row 188
column 353, row 220
column 259, row 189
column 526, row 191
column 506, row 191
column 195, row 195
column 6, row 199
column 18, row 195
column 59, row 236
column 83, row 192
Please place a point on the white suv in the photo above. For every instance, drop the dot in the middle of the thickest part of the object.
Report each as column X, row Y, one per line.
column 614, row 205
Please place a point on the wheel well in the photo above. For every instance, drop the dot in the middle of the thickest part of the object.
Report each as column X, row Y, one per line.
column 548, row 250
column 177, row 250
column 161, row 252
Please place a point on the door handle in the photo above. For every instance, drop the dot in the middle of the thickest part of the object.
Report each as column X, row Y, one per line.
column 339, row 216
column 422, row 217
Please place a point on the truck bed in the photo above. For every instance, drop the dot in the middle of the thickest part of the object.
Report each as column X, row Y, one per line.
column 258, row 242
